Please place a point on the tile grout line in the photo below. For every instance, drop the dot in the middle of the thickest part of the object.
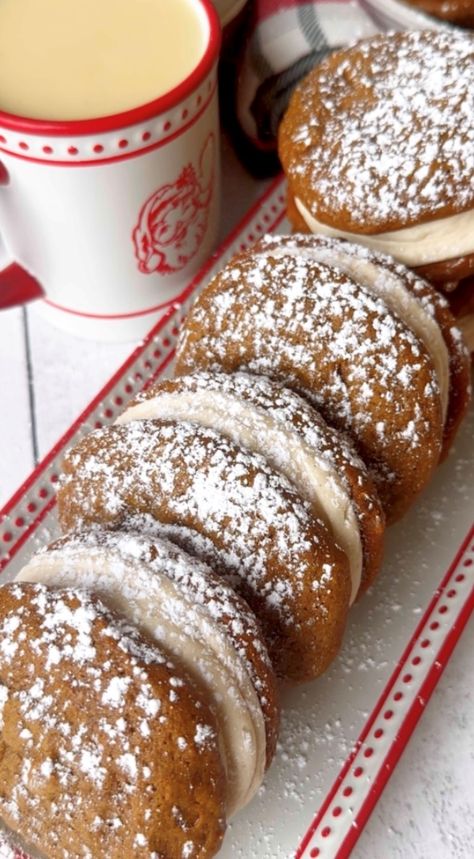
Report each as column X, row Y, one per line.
column 31, row 386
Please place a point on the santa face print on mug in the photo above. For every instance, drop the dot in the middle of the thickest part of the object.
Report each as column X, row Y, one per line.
column 173, row 222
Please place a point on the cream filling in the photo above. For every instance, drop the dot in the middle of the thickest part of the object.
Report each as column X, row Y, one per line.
column 445, row 238
column 384, row 284
column 283, row 448
column 156, row 605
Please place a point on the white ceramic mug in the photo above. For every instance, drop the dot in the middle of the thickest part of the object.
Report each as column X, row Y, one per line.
column 106, row 220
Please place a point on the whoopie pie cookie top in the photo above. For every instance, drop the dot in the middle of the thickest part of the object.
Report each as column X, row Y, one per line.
column 380, row 136
column 411, row 298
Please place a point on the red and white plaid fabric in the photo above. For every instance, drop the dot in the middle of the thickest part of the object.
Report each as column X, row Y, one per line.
column 285, row 39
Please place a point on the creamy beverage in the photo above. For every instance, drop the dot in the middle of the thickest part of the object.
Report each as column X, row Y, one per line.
column 80, row 59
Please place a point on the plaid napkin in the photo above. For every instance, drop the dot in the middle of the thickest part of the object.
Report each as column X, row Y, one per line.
column 285, row 39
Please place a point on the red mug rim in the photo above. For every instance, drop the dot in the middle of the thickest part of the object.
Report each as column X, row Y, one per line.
column 134, row 115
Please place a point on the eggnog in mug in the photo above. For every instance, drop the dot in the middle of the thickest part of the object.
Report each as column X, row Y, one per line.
column 80, row 59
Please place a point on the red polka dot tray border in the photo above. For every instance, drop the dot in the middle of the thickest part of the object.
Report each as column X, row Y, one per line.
column 343, row 735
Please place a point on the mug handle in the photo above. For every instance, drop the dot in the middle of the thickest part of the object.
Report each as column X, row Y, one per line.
column 17, row 285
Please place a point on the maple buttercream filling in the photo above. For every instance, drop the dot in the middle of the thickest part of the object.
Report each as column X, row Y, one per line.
column 146, row 596
column 433, row 241
column 385, row 284
column 283, row 448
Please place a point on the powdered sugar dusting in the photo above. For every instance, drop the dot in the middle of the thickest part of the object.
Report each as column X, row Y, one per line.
column 197, row 618
column 224, row 486
column 268, row 418
column 434, row 307
column 314, row 328
column 202, row 592
column 385, row 137
column 266, row 537
column 78, row 759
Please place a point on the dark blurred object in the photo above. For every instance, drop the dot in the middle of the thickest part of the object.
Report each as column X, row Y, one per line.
column 233, row 34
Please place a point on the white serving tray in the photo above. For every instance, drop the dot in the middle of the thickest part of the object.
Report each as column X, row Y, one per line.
column 342, row 735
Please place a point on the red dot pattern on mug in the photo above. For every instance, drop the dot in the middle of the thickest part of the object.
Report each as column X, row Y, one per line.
column 85, row 149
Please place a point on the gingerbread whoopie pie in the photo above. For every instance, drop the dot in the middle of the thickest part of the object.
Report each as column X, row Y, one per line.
column 377, row 145
column 412, row 299
column 107, row 749
column 194, row 616
column 323, row 332
column 228, row 507
column 258, row 413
